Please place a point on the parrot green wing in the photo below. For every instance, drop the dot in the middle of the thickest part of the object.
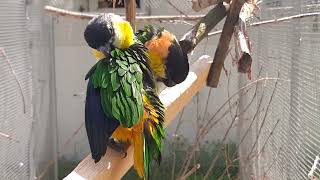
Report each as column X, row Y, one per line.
column 120, row 78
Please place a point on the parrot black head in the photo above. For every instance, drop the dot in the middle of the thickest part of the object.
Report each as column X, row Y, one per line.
column 168, row 61
column 107, row 30
column 177, row 65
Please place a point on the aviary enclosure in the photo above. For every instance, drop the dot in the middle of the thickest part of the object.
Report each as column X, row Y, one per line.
column 249, row 108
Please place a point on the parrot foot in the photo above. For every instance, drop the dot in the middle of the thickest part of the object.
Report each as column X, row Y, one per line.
column 118, row 146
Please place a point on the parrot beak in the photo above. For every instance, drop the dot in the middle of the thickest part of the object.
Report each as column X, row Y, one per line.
column 105, row 49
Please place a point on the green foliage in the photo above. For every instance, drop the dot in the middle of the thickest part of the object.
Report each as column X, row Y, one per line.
column 204, row 156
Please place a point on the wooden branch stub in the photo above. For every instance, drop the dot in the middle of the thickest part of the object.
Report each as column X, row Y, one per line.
column 131, row 12
column 199, row 31
column 242, row 48
column 224, row 41
column 112, row 165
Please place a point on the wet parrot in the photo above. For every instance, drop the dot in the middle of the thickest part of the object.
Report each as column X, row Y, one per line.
column 122, row 104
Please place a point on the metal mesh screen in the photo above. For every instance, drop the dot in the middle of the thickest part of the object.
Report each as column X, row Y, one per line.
column 292, row 50
column 15, row 88
column 26, row 106
column 28, row 139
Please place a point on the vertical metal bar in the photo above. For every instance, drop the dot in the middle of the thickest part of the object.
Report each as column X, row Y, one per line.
column 295, row 115
column 241, row 126
column 131, row 12
column 53, row 97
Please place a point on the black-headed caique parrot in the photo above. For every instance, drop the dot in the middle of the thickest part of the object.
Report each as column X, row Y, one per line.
column 121, row 100
column 167, row 60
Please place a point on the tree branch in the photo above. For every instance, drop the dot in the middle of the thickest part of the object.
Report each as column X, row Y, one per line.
column 193, row 37
column 223, row 46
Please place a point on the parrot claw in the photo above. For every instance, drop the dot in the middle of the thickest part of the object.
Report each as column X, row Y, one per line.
column 120, row 147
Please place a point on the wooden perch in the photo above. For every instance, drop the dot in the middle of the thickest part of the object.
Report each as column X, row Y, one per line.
column 224, row 41
column 112, row 165
column 199, row 31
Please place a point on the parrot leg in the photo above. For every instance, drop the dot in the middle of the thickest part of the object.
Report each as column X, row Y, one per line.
column 118, row 146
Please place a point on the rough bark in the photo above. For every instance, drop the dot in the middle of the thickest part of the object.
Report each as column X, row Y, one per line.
column 199, row 31
column 243, row 49
column 224, row 42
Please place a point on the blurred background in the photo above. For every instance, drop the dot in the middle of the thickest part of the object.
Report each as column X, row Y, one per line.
column 44, row 58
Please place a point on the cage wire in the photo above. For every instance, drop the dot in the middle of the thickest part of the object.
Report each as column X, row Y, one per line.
column 15, row 92
column 290, row 49
column 26, row 130
column 287, row 138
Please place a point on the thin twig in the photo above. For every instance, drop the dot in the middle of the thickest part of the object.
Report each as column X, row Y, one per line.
column 46, row 170
column 174, row 145
column 254, row 116
column 271, row 21
column 87, row 16
column 210, row 123
column 267, row 140
column 265, row 116
column 236, row 93
column 228, row 91
column 190, row 172
column 272, row 162
column 8, row 137
column 71, row 137
column 223, row 142
column 253, row 119
column 15, row 77
column 207, row 104
column 199, row 138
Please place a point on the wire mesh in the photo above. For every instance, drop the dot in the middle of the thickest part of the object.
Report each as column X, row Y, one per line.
column 288, row 141
column 292, row 49
column 289, row 48
column 26, row 130
column 15, row 88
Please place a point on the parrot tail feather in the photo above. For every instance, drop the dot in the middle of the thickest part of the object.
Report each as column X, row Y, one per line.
column 153, row 136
